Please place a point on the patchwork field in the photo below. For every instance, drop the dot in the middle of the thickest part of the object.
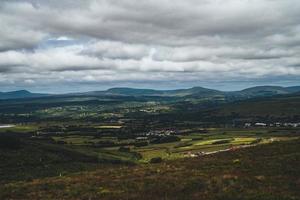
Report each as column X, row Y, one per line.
column 269, row 171
column 216, row 139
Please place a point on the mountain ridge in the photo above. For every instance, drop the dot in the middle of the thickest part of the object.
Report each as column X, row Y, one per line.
column 193, row 92
column 20, row 94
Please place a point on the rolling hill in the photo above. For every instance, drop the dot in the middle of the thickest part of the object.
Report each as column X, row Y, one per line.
column 263, row 91
column 20, row 94
column 150, row 92
column 194, row 92
column 259, row 91
column 275, row 106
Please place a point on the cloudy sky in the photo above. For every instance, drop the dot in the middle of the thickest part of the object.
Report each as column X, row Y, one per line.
column 79, row 45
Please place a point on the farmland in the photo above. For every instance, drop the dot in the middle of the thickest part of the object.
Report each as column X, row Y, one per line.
column 260, row 173
column 115, row 147
column 105, row 141
column 206, row 143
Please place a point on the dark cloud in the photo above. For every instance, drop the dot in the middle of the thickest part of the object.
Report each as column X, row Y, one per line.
column 5, row 69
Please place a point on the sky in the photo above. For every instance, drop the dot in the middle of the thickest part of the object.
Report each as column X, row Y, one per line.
column 63, row 46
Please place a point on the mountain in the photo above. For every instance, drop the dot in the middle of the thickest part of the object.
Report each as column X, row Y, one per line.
column 195, row 91
column 202, row 93
column 259, row 91
column 293, row 89
column 279, row 106
column 19, row 94
column 262, row 91
column 133, row 92
column 191, row 93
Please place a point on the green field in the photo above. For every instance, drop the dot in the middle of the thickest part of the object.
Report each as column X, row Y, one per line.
column 216, row 139
column 269, row 171
column 109, row 127
column 20, row 129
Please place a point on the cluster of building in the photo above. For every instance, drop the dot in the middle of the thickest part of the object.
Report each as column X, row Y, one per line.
column 277, row 124
column 155, row 133
column 161, row 133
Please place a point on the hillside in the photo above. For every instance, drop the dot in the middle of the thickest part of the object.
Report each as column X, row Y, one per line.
column 263, row 91
column 25, row 158
column 20, row 94
column 262, row 172
column 150, row 92
column 259, row 91
column 277, row 106
column 194, row 92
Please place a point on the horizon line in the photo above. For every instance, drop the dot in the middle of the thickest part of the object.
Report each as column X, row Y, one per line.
column 144, row 88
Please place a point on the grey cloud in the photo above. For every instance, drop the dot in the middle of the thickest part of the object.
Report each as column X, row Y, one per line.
column 165, row 22
column 116, row 50
column 5, row 69
column 131, row 40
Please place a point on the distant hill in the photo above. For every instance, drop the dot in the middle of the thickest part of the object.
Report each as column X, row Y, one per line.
column 198, row 94
column 261, row 91
column 197, row 91
column 190, row 93
column 20, row 94
column 279, row 108
column 275, row 106
column 293, row 89
column 133, row 92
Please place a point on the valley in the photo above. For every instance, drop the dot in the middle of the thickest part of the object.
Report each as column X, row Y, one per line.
column 149, row 100
column 59, row 140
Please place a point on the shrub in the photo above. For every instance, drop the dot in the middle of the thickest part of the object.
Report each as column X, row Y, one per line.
column 61, row 142
column 195, row 139
column 106, row 143
column 9, row 142
column 141, row 144
column 165, row 139
column 183, row 144
column 124, row 149
column 156, row 160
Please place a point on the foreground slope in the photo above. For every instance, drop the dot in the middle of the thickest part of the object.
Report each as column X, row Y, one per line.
column 23, row 158
column 263, row 172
